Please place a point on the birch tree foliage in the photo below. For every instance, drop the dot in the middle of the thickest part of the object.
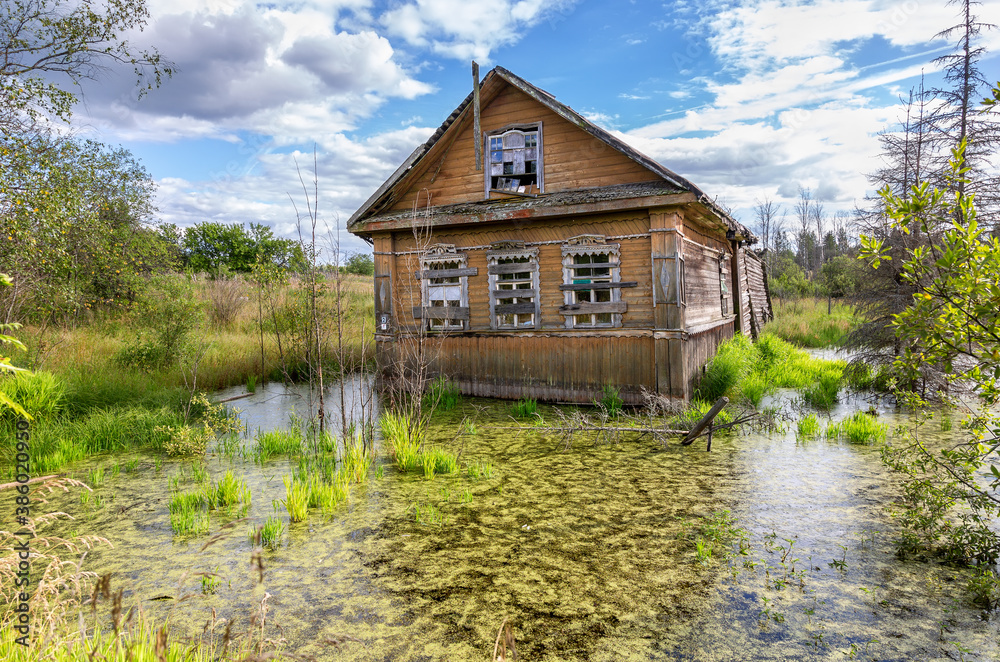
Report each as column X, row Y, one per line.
column 949, row 492
column 47, row 47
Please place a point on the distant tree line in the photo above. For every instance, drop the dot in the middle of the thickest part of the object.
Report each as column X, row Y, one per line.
column 815, row 258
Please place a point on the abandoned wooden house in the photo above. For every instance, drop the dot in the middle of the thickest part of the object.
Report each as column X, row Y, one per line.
column 523, row 251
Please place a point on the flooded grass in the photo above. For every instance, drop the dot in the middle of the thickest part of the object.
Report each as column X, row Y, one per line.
column 763, row 549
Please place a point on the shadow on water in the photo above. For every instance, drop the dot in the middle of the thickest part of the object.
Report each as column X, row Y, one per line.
column 586, row 550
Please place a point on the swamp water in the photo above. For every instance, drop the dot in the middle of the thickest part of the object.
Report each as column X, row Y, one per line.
column 588, row 551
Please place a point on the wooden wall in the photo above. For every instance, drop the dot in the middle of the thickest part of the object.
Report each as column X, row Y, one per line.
column 571, row 158
column 554, row 363
column 636, row 265
column 758, row 296
column 701, row 347
column 701, row 276
column 564, row 368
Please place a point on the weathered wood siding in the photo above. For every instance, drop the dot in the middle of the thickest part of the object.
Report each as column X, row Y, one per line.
column 758, row 296
column 571, row 158
column 630, row 231
column 561, row 368
column 702, row 277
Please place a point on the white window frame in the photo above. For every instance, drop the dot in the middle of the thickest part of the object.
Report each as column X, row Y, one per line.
column 436, row 293
column 514, row 151
column 578, row 300
column 502, row 280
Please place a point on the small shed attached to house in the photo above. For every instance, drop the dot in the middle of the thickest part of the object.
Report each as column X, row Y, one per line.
column 565, row 262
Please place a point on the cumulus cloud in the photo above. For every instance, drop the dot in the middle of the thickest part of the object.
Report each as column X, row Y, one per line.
column 790, row 107
column 258, row 187
column 264, row 68
column 463, row 30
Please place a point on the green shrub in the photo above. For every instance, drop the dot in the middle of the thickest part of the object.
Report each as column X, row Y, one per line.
column 808, row 426
column 296, row 499
column 753, row 387
column 524, row 408
column 39, row 393
column 822, row 394
column 404, row 437
column 731, row 363
column 276, row 442
column 611, row 400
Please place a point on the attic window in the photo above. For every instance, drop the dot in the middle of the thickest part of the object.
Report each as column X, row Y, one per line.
column 515, row 160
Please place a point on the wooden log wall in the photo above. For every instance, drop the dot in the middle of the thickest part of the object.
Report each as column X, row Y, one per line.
column 571, row 158
column 701, row 347
column 758, row 294
column 701, row 275
column 561, row 368
column 632, row 230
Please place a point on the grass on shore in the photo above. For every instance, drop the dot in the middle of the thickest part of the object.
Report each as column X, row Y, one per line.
column 84, row 400
column 813, row 323
column 748, row 370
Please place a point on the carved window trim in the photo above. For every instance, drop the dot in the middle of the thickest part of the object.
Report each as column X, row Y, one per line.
column 590, row 259
column 510, row 313
column 444, row 299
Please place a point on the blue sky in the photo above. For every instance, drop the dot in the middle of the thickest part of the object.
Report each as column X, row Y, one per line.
column 748, row 99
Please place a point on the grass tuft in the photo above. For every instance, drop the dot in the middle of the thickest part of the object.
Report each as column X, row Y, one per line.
column 524, row 408
column 858, row 428
column 808, row 426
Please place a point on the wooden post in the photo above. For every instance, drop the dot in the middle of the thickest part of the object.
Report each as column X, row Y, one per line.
column 476, row 130
column 705, row 421
column 667, row 242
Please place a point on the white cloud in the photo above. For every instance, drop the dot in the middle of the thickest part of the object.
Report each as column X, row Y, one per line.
column 267, row 69
column 464, row 30
column 258, row 188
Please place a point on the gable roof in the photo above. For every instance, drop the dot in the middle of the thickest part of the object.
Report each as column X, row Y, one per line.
column 380, row 199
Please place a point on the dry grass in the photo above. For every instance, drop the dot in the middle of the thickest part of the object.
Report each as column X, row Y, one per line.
column 228, row 342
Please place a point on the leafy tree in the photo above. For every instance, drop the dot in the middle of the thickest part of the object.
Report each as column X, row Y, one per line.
column 840, row 275
column 953, row 321
column 786, row 278
column 218, row 247
column 47, row 47
column 360, row 264
column 73, row 226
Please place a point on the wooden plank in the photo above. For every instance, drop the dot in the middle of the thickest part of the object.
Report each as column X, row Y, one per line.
column 705, row 421
column 598, row 286
column 516, row 268
column 446, row 273
column 593, row 308
column 515, row 309
column 477, row 134
column 595, row 265
column 514, row 294
column 441, row 312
